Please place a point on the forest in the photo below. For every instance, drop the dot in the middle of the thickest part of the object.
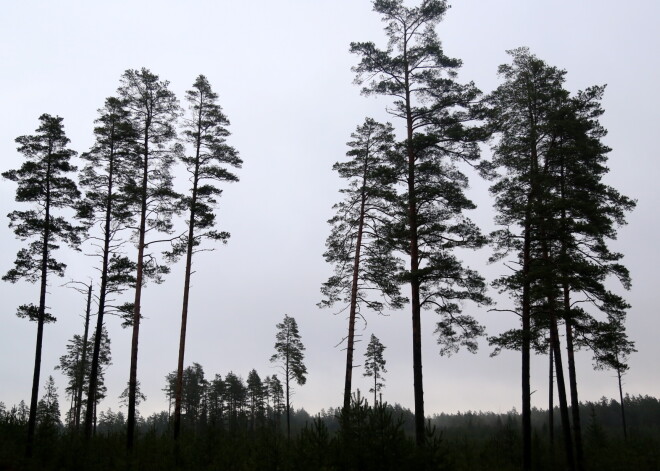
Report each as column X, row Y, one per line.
column 397, row 239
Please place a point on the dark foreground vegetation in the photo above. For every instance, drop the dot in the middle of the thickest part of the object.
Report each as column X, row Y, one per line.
column 377, row 438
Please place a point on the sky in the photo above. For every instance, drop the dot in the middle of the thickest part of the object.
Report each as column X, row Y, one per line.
column 283, row 74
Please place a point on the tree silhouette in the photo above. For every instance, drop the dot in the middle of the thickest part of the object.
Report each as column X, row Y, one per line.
column 551, row 187
column 106, row 210
column 152, row 111
column 522, row 114
column 74, row 366
column 48, row 409
column 42, row 183
column 289, row 357
column 362, row 260
column 429, row 223
column 205, row 131
column 374, row 365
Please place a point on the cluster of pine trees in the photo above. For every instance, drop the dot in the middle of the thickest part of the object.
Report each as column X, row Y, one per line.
column 124, row 197
column 395, row 238
column 404, row 217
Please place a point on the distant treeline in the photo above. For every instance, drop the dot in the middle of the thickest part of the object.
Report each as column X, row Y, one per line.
column 362, row 438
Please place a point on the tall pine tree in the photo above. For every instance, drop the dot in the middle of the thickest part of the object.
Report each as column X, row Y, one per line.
column 205, row 132
column 289, row 356
column 522, row 111
column 153, row 111
column 362, row 260
column 42, row 182
column 430, row 221
column 106, row 210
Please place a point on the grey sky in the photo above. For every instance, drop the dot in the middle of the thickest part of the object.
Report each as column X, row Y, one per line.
column 282, row 70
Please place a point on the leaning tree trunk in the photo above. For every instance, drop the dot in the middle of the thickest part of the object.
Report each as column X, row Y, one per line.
column 570, row 349
column 186, row 293
column 561, row 393
column 561, row 386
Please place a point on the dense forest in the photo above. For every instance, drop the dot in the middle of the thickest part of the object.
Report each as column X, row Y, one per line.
column 395, row 243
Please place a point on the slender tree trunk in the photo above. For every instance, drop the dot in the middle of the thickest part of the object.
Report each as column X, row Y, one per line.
column 186, row 288
column 570, row 349
column 41, row 317
column 527, row 305
column 354, row 291
column 288, row 404
column 561, row 387
column 132, row 382
column 418, row 383
column 623, row 411
column 94, row 371
column 83, row 360
column 551, row 402
column 526, row 346
column 572, row 378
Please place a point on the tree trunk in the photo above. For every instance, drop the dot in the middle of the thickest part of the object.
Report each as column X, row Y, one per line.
column 561, row 389
column 572, row 378
column 186, row 288
column 527, row 305
column 41, row 316
column 83, row 360
column 94, row 371
column 354, row 291
column 570, row 349
column 526, row 346
column 551, row 402
column 132, row 382
column 288, row 404
column 623, row 411
column 418, row 383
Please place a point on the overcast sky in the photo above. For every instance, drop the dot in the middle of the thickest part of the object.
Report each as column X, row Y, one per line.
column 283, row 73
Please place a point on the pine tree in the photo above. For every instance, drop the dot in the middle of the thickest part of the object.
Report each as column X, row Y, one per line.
column 42, row 182
column 152, row 111
column 110, row 167
column 235, row 398
column 74, row 366
column 611, row 351
column 589, row 212
column 554, row 161
column 215, row 397
column 255, row 392
column 374, row 365
column 205, row 132
column 79, row 374
column 429, row 223
column 362, row 261
column 276, row 392
column 522, row 113
column 48, row 409
column 289, row 357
